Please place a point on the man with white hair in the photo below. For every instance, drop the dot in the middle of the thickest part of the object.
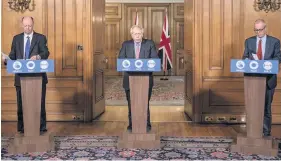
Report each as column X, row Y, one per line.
column 137, row 48
column 264, row 47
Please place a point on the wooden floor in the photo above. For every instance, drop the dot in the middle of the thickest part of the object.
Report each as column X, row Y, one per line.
column 157, row 114
column 166, row 121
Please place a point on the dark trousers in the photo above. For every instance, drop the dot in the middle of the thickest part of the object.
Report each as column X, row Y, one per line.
column 43, row 110
column 267, row 110
column 129, row 106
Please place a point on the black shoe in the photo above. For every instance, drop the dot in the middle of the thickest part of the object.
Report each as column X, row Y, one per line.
column 148, row 127
column 129, row 127
column 266, row 134
column 43, row 130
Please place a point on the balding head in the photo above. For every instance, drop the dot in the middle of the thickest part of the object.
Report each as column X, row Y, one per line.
column 260, row 27
column 27, row 24
column 260, row 21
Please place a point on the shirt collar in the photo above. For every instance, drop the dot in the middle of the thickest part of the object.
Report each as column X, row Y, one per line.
column 137, row 43
column 261, row 38
column 30, row 35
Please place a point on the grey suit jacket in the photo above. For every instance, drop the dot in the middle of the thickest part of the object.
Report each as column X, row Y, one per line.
column 38, row 47
column 148, row 50
column 272, row 52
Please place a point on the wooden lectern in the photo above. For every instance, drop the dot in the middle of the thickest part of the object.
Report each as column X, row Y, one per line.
column 139, row 137
column 254, row 142
column 31, row 140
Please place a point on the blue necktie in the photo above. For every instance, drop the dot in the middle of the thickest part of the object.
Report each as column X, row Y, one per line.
column 27, row 48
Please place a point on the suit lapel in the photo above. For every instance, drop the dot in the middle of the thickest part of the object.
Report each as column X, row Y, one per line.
column 142, row 49
column 22, row 45
column 33, row 41
column 132, row 49
column 254, row 45
column 266, row 47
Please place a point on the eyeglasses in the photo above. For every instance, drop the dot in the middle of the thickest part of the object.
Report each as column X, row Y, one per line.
column 137, row 33
column 259, row 30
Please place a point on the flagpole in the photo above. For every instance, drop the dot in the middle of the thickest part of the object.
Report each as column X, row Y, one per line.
column 137, row 17
column 165, row 70
column 164, row 78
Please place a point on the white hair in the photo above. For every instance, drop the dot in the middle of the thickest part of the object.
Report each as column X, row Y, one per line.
column 136, row 26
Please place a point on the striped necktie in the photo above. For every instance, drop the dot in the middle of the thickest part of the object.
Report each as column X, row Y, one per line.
column 137, row 50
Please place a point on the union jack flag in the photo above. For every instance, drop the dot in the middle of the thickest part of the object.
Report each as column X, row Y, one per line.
column 165, row 51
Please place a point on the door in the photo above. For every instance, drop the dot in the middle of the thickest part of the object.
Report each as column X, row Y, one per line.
column 99, row 60
column 61, row 21
column 112, row 47
column 187, row 60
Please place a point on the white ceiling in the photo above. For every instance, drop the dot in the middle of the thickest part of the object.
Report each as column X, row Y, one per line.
column 144, row 1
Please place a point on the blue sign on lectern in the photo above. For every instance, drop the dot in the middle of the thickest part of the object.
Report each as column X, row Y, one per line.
column 30, row 66
column 255, row 66
column 139, row 65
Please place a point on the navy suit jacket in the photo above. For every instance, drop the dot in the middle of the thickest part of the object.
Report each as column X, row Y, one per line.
column 147, row 50
column 38, row 47
column 272, row 52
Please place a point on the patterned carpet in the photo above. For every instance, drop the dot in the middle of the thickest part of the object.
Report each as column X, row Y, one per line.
column 164, row 93
column 101, row 147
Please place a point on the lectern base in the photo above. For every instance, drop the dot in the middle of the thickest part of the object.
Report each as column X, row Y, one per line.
column 143, row 141
column 262, row 146
column 26, row 144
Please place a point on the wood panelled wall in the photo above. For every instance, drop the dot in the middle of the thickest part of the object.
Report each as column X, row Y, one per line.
column 220, row 28
column 67, row 24
column 214, row 33
column 120, row 17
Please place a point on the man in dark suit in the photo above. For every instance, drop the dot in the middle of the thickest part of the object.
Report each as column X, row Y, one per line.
column 264, row 47
column 135, row 49
column 29, row 45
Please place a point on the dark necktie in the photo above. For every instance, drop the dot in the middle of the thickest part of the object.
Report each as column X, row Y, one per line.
column 27, row 48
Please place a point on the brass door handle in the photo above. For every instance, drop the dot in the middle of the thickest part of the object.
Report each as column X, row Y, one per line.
column 182, row 61
column 105, row 60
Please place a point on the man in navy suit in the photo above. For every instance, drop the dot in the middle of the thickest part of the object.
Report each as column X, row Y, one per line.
column 29, row 45
column 137, row 48
column 264, row 47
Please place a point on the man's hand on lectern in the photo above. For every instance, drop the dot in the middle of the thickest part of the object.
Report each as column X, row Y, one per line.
column 33, row 57
column 3, row 58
